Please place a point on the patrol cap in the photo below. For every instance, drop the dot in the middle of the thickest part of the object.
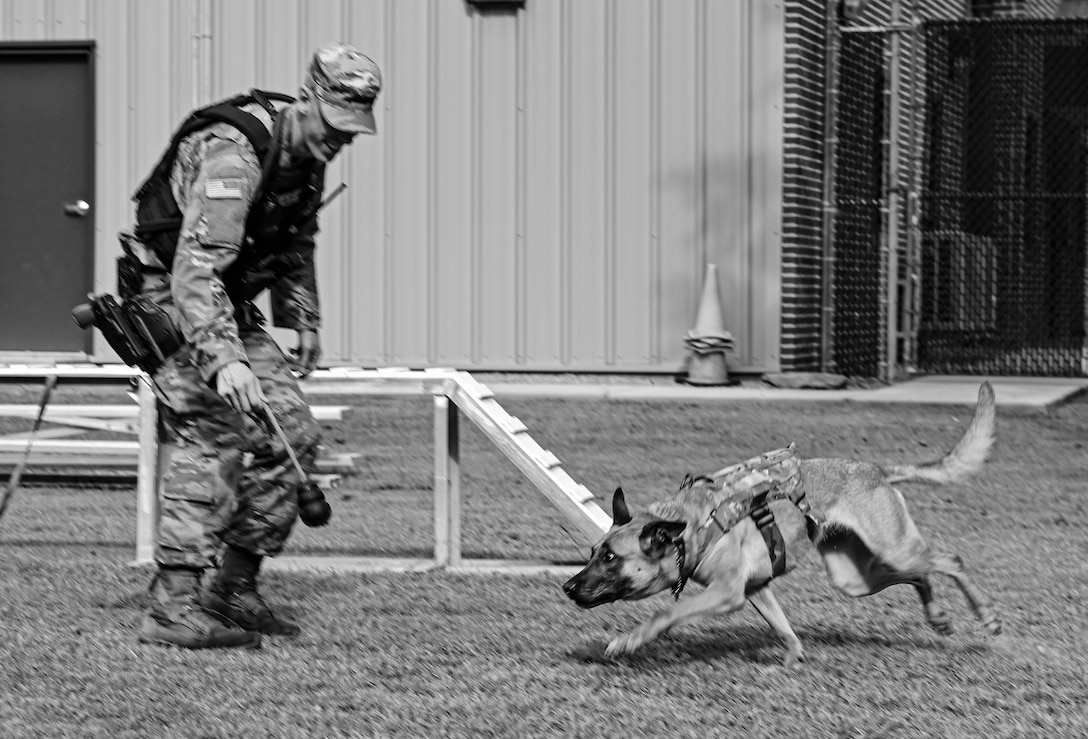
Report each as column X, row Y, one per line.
column 345, row 82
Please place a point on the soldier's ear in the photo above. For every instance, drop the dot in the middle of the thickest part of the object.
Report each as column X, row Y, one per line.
column 658, row 537
column 620, row 514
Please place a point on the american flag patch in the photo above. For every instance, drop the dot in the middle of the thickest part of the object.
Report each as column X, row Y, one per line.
column 223, row 189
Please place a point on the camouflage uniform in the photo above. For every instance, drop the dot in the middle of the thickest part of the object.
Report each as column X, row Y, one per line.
column 229, row 494
column 208, row 495
column 214, row 179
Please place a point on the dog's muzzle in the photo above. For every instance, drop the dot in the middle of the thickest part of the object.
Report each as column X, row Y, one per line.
column 587, row 594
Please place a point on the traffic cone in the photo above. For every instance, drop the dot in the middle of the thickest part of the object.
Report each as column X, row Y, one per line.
column 708, row 341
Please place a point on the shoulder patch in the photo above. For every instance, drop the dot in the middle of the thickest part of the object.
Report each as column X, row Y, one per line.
column 223, row 189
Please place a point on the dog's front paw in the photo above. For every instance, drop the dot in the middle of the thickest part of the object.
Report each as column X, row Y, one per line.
column 621, row 645
column 991, row 622
column 793, row 659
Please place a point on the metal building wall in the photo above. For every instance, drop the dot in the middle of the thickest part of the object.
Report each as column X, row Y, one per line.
column 546, row 185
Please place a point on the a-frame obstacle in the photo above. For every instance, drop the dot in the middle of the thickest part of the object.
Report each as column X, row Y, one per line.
column 453, row 392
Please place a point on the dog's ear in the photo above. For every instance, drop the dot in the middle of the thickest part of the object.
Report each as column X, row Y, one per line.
column 658, row 536
column 620, row 514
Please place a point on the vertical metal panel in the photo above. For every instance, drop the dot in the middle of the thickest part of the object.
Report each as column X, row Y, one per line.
column 728, row 159
column 235, row 48
column 364, row 208
column 407, row 231
column 280, row 53
column 585, row 188
column 27, row 20
column 68, row 19
column 629, row 275
column 546, row 186
column 113, row 178
column 546, row 146
column 680, row 164
column 766, row 105
column 454, row 226
column 496, row 189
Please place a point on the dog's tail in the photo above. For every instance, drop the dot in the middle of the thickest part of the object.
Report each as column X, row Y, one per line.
column 966, row 457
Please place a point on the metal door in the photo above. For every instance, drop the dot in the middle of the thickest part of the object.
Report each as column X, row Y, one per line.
column 46, row 196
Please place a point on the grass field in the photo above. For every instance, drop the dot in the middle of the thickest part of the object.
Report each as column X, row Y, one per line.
column 428, row 655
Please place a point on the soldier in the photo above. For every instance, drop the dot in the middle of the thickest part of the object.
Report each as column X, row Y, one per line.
column 217, row 512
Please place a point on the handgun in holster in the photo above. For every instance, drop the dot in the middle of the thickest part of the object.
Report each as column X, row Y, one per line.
column 138, row 329
column 141, row 332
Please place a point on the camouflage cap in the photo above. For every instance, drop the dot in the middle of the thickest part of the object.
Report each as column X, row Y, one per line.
column 345, row 82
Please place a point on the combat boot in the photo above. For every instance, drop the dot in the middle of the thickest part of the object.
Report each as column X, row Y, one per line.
column 175, row 618
column 232, row 595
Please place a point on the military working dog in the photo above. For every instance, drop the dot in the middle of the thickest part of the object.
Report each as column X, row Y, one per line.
column 850, row 510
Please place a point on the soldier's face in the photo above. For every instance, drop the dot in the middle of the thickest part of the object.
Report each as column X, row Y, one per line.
column 317, row 138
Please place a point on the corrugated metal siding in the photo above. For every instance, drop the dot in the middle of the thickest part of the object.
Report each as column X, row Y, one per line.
column 546, row 185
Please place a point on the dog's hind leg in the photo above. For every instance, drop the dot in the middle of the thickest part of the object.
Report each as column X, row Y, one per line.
column 952, row 566
column 857, row 571
column 764, row 601
column 936, row 615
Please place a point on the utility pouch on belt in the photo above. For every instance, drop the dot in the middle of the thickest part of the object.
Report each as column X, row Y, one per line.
column 139, row 331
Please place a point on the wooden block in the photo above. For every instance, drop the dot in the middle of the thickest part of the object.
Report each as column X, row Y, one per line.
column 546, row 459
column 511, row 424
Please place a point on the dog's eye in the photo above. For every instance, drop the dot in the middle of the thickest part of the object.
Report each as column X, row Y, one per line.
column 608, row 556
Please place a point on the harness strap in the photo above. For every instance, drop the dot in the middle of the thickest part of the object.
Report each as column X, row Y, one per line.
column 229, row 112
column 758, row 481
column 772, row 535
column 681, row 578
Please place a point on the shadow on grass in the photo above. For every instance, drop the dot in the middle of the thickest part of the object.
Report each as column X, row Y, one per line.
column 66, row 544
column 747, row 643
column 758, row 646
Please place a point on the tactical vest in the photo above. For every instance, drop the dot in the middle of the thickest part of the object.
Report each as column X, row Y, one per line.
column 282, row 204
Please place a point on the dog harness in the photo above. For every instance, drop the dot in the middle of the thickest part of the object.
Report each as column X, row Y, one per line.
column 745, row 490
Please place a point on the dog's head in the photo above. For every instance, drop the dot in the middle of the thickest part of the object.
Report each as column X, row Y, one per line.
column 635, row 559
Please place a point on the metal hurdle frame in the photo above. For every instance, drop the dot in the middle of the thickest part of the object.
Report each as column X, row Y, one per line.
column 452, row 392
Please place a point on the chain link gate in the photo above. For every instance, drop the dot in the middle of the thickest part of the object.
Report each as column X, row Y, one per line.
column 874, row 133
column 860, row 280
column 1002, row 236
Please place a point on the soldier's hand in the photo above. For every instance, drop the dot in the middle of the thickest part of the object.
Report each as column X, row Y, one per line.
column 307, row 352
column 240, row 387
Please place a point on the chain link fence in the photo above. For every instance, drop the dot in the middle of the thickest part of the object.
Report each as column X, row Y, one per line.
column 1003, row 192
column 986, row 273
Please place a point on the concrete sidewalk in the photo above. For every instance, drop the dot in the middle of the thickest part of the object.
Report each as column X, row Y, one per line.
column 1025, row 392
column 1028, row 392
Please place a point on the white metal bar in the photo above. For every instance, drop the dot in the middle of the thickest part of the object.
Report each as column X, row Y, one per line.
column 71, row 413
column 22, row 436
column 447, row 484
column 539, row 465
column 147, row 476
column 452, row 391
column 114, row 448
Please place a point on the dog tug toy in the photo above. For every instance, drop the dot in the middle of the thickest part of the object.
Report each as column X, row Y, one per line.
column 313, row 509
column 17, row 473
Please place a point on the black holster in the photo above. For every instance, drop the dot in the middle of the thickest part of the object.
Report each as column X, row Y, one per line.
column 141, row 332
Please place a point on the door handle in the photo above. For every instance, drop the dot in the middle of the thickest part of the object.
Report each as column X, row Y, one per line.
column 78, row 209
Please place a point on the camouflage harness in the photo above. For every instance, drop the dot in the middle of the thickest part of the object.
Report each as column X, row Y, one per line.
column 745, row 490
